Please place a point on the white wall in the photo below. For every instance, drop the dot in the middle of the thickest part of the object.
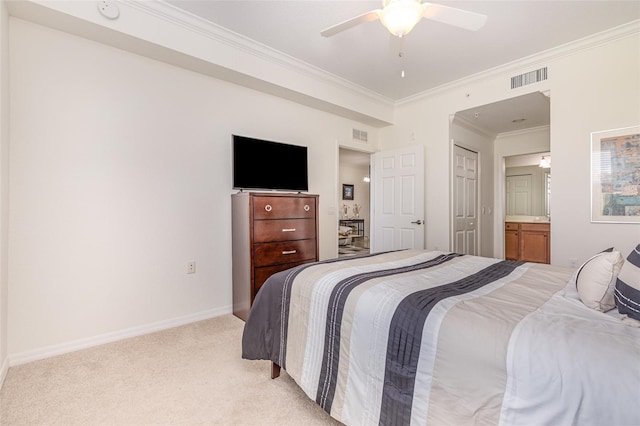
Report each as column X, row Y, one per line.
column 164, row 32
column 591, row 88
column 4, row 185
column 594, row 90
column 120, row 174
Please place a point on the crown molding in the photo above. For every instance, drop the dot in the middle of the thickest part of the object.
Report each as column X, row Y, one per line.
column 484, row 132
column 176, row 16
column 183, row 20
column 608, row 36
column 160, row 31
column 546, row 127
column 472, row 126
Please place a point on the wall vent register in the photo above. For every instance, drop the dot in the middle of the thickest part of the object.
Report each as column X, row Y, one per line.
column 529, row 78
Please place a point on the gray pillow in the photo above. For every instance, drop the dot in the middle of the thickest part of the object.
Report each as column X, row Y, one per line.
column 627, row 291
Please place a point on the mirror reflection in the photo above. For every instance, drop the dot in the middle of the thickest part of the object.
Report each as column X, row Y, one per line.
column 528, row 185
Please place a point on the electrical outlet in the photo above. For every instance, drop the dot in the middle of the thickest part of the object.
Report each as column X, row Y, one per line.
column 191, row 267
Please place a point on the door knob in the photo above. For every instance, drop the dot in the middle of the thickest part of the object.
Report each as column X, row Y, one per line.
column 418, row 222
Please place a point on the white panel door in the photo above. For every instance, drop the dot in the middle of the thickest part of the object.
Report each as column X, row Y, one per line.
column 398, row 199
column 518, row 195
column 465, row 201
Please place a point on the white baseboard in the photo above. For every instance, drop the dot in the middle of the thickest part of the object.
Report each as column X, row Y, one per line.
column 50, row 351
column 4, row 369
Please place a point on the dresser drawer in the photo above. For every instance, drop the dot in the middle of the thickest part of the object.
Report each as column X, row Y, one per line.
column 270, row 207
column 283, row 252
column 265, row 231
column 261, row 274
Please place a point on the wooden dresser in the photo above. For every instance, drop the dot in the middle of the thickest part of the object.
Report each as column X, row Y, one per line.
column 271, row 232
column 529, row 242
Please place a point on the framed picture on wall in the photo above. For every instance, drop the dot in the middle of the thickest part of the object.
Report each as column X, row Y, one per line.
column 347, row 192
column 615, row 175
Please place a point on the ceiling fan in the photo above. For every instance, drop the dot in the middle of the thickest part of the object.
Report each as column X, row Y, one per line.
column 400, row 16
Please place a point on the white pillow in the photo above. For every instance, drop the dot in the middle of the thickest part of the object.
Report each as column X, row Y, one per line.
column 596, row 280
column 344, row 230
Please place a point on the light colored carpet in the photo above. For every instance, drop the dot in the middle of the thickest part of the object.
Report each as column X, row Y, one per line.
column 189, row 375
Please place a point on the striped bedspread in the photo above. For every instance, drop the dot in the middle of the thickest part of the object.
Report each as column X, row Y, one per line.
column 418, row 337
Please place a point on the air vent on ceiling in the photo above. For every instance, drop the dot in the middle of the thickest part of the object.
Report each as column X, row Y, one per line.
column 360, row 135
column 529, row 78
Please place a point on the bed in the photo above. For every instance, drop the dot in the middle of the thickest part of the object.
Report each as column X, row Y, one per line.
column 435, row 338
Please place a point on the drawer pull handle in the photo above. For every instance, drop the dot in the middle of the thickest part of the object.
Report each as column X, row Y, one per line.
column 289, row 252
column 268, row 207
column 288, row 229
column 306, row 207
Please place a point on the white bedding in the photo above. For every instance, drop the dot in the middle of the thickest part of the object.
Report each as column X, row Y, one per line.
column 569, row 364
column 418, row 337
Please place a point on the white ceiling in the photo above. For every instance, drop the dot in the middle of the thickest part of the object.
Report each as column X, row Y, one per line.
column 526, row 159
column 434, row 53
column 510, row 115
column 354, row 158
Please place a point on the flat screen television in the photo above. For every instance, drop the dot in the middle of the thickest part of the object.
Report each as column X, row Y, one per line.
column 261, row 164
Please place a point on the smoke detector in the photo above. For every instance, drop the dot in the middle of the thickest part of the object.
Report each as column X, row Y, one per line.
column 108, row 9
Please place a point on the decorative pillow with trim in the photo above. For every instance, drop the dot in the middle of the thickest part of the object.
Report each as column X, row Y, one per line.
column 627, row 291
column 596, row 279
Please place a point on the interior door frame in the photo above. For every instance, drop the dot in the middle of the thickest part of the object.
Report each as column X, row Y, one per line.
column 452, row 177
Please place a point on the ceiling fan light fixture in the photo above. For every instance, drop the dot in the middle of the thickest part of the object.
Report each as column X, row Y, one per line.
column 400, row 16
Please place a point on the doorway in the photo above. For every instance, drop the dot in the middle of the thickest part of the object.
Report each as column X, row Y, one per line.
column 514, row 126
column 354, row 196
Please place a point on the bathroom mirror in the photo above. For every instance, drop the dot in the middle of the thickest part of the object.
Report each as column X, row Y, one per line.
column 528, row 185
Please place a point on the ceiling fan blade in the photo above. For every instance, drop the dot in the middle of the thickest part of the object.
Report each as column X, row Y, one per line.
column 361, row 19
column 452, row 16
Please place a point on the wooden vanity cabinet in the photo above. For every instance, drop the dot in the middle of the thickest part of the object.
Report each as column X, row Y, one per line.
column 511, row 242
column 528, row 242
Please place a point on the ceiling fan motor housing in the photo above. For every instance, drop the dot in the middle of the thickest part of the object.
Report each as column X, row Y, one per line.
column 400, row 16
